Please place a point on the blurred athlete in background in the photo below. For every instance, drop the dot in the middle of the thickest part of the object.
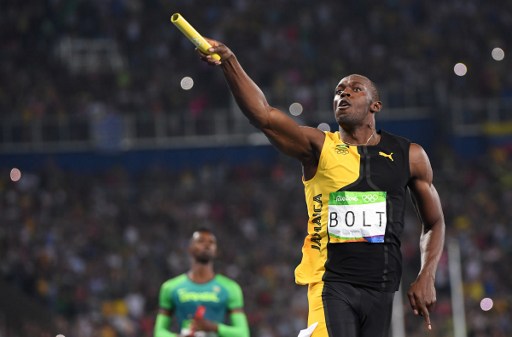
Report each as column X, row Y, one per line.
column 201, row 300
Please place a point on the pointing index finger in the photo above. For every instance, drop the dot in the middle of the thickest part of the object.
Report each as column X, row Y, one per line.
column 426, row 317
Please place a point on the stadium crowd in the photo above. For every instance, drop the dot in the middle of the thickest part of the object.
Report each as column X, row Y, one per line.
column 94, row 248
column 297, row 52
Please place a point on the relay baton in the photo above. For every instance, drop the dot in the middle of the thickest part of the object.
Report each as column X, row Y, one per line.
column 192, row 34
column 200, row 311
column 199, row 314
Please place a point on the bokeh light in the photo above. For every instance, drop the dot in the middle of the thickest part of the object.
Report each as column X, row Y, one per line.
column 15, row 174
column 460, row 69
column 486, row 304
column 296, row 109
column 324, row 127
column 187, row 83
column 498, row 54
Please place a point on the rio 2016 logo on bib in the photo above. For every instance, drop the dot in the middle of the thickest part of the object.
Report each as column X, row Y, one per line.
column 357, row 217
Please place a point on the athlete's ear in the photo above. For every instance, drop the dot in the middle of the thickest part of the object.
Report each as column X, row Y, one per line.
column 375, row 106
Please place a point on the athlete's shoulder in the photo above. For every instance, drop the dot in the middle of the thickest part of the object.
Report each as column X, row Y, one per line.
column 398, row 138
column 331, row 137
column 174, row 281
column 224, row 279
column 332, row 134
column 227, row 282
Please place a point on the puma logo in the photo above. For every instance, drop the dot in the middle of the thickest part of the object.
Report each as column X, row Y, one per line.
column 389, row 156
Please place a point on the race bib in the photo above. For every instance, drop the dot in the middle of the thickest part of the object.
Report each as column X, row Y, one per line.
column 357, row 217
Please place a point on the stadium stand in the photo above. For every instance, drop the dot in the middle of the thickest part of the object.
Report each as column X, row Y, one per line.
column 84, row 247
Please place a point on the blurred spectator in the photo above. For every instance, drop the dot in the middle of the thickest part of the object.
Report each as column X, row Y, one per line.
column 57, row 53
column 94, row 248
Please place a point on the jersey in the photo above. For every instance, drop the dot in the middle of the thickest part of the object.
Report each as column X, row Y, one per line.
column 182, row 296
column 356, row 207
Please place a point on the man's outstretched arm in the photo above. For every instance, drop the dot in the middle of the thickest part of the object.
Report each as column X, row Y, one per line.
column 282, row 131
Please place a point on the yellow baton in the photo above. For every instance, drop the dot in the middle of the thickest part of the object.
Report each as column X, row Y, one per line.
column 192, row 34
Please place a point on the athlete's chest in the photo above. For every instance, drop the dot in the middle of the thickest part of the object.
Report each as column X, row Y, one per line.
column 383, row 168
column 210, row 293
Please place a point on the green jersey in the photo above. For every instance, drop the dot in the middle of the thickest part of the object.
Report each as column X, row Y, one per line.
column 182, row 296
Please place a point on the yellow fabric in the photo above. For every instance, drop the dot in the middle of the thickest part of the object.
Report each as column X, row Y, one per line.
column 316, row 309
column 338, row 166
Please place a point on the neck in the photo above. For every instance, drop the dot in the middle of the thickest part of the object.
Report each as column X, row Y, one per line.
column 201, row 273
column 359, row 137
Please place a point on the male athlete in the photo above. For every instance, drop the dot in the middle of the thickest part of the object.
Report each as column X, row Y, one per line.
column 201, row 300
column 355, row 181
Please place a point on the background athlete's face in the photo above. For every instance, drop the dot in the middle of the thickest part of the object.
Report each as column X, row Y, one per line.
column 203, row 247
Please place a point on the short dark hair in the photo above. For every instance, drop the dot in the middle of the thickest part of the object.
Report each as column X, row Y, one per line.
column 373, row 87
column 374, row 90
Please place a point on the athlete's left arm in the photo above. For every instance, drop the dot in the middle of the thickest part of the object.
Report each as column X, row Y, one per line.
column 422, row 293
column 238, row 327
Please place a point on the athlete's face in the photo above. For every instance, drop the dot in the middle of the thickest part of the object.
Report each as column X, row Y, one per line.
column 203, row 247
column 353, row 100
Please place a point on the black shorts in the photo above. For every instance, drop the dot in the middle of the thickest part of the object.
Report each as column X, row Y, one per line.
column 343, row 310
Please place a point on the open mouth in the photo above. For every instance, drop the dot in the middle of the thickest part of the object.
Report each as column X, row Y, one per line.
column 343, row 104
